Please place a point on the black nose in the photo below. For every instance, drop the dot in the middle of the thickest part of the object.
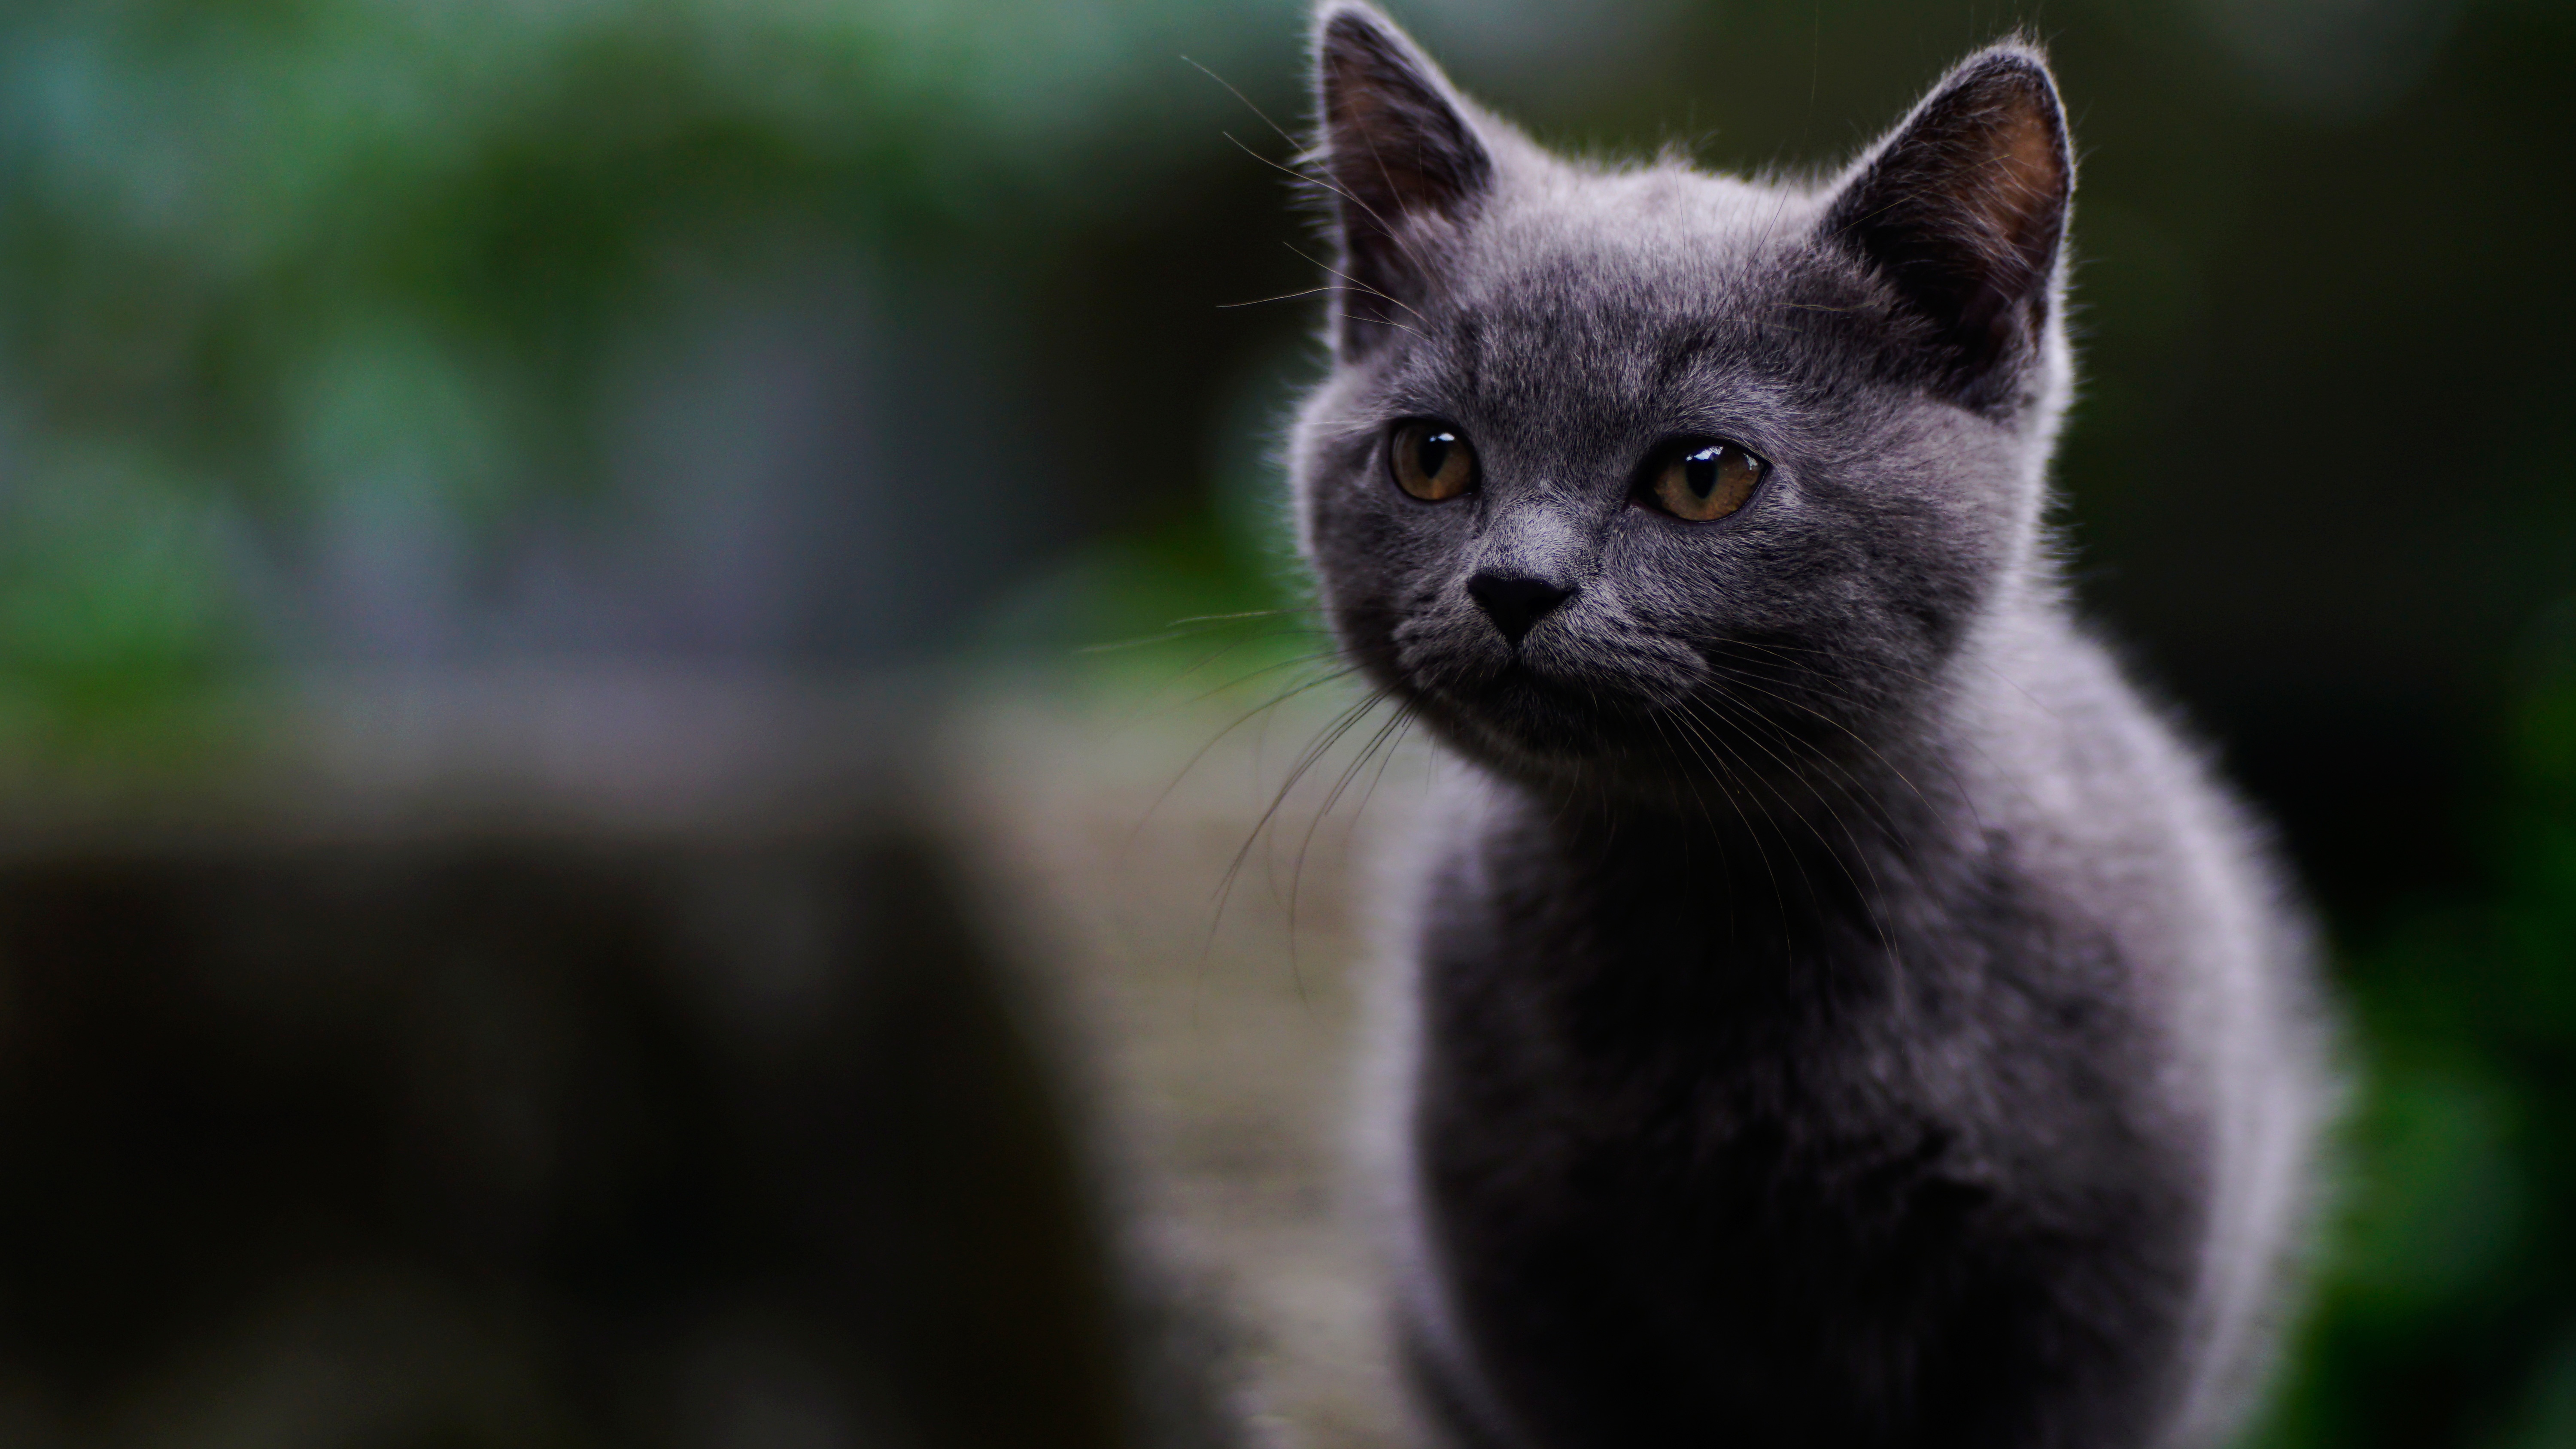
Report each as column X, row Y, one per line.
column 1515, row 604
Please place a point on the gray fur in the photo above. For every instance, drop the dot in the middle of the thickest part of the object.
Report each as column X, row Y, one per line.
column 1835, row 1010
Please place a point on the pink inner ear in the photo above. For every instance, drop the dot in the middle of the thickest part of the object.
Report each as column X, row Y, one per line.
column 1961, row 212
column 1374, row 145
column 1396, row 144
column 1404, row 166
column 2021, row 200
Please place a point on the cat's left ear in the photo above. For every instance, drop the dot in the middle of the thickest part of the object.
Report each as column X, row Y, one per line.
column 1962, row 210
column 1405, row 165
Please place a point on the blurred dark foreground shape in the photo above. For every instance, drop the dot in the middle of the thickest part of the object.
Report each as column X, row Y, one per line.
column 569, row 1112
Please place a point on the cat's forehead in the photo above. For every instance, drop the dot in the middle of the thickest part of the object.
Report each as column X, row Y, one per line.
column 1653, row 222
column 1605, row 285
column 1666, row 238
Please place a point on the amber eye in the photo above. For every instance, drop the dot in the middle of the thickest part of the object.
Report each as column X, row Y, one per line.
column 1703, row 480
column 1431, row 461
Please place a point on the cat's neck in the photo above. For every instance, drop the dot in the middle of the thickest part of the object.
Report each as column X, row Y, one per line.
column 1892, row 793
column 1839, row 844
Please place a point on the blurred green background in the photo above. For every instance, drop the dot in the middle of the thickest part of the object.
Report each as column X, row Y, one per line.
column 889, row 335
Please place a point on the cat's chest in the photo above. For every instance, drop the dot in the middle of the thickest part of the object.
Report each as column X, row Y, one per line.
column 1725, row 1024
column 1705, row 1033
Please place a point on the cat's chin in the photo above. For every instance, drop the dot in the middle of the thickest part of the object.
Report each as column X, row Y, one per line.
column 1525, row 722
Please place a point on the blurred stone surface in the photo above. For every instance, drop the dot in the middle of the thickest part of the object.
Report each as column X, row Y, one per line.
column 1222, row 1036
column 637, row 1058
column 535, row 1060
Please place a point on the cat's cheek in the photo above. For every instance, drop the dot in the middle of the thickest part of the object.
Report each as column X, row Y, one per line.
column 1441, row 651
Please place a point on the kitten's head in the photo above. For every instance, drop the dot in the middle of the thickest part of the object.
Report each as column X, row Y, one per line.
column 1644, row 471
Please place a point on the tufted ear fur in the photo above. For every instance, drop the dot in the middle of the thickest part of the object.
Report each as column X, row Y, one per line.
column 1405, row 166
column 1962, row 210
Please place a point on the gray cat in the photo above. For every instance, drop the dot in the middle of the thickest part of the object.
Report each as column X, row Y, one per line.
column 1836, row 1010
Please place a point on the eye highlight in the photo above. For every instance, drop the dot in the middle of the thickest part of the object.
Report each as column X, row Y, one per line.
column 1430, row 460
column 1704, row 479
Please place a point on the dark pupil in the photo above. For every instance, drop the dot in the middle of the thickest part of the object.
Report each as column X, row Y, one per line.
column 1699, row 470
column 1433, row 453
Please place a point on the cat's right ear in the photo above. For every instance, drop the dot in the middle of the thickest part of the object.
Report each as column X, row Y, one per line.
column 1962, row 210
column 1404, row 167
